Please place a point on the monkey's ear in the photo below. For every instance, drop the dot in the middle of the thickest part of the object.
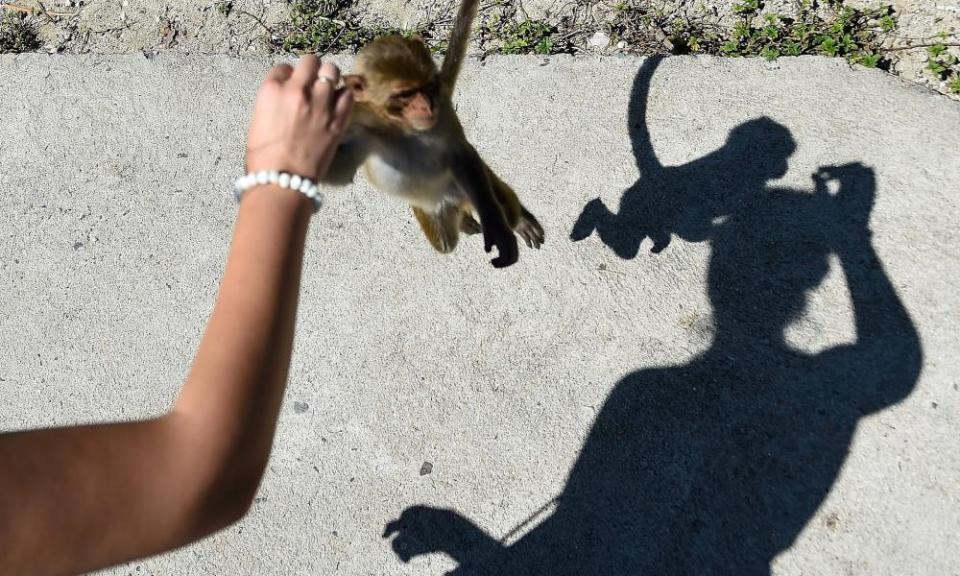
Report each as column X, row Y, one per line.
column 356, row 84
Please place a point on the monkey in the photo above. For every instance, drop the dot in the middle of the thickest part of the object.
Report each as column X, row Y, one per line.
column 405, row 136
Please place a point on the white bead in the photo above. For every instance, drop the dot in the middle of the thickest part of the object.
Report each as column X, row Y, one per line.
column 284, row 180
column 251, row 180
column 295, row 182
column 305, row 185
column 262, row 177
column 273, row 176
column 312, row 191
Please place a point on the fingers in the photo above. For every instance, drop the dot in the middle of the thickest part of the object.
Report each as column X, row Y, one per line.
column 305, row 73
column 325, row 87
column 341, row 110
column 328, row 76
column 279, row 73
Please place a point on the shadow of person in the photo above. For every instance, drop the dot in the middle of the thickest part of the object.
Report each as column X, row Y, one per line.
column 715, row 466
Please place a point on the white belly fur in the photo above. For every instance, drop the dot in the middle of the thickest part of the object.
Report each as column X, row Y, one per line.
column 425, row 191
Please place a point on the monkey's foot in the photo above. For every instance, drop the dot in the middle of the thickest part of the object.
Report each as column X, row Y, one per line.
column 469, row 225
column 587, row 222
column 530, row 231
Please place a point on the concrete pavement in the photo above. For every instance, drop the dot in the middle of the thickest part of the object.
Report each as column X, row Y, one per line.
column 679, row 412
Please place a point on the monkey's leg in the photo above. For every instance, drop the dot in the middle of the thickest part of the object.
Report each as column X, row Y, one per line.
column 442, row 228
column 519, row 218
column 469, row 224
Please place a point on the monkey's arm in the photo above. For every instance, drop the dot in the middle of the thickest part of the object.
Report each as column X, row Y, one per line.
column 351, row 154
column 425, row 530
column 473, row 179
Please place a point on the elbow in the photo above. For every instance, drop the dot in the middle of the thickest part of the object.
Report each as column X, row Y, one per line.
column 229, row 498
column 218, row 505
column 215, row 481
column 231, row 505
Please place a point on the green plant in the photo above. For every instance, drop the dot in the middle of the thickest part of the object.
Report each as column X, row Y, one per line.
column 943, row 65
column 332, row 26
column 18, row 33
column 747, row 7
column 527, row 36
column 855, row 34
column 954, row 85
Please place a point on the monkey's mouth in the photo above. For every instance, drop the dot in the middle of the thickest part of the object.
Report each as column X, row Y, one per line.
column 423, row 124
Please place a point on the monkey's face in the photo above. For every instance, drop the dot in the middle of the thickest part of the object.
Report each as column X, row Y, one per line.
column 414, row 106
column 398, row 79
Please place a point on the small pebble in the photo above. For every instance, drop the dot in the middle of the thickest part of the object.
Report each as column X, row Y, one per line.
column 599, row 40
column 426, row 468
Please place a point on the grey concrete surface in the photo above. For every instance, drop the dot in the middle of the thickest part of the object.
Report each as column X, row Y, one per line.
column 694, row 414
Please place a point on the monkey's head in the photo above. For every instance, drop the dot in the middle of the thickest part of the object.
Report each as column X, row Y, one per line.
column 398, row 79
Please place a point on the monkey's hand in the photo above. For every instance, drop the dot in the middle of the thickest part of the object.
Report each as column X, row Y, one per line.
column 498, row 234
column 473, row 179
column 425, row 530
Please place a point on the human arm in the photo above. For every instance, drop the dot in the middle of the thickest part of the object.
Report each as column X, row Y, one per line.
column 75, row 499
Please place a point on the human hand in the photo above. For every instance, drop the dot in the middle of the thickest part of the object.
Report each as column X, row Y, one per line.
column 298, row 119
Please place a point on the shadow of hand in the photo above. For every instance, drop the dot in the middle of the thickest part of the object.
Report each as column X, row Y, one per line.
column 424, row 530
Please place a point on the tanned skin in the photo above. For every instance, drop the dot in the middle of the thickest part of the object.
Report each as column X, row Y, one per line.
column 405, row 135
column 76, row 499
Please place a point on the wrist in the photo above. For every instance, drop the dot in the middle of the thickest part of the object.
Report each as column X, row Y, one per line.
column 290, row 183
column 276, row 194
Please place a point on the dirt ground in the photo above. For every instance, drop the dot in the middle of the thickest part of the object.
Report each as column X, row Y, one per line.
column 243, row 26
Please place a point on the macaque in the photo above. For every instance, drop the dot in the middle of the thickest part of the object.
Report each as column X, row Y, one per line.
column 406, row 136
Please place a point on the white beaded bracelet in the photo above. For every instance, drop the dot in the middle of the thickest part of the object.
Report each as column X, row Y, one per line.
column 283, row 179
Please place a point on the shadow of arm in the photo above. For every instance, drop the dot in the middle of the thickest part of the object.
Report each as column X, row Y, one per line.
column 887, row 339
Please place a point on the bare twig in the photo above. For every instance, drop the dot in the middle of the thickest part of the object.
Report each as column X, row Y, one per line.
column 32, row 10
column 912, row 46
column 258, row 20
column 339, row 23
column 126, row 26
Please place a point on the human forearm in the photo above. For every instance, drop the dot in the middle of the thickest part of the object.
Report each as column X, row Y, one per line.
column 235, row 388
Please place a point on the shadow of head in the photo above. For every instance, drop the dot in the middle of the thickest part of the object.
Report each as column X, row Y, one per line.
column 759, row 149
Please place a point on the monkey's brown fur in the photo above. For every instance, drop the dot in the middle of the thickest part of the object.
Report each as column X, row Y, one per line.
column 407, row 138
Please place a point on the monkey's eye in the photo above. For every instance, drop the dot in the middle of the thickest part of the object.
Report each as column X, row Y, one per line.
column 405, row 94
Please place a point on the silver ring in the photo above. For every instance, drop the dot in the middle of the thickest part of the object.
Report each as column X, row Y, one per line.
column 325, row 78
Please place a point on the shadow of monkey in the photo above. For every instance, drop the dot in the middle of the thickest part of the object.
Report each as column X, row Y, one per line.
column 714, row 467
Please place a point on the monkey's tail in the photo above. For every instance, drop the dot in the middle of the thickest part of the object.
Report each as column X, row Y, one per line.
column 459, row 42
